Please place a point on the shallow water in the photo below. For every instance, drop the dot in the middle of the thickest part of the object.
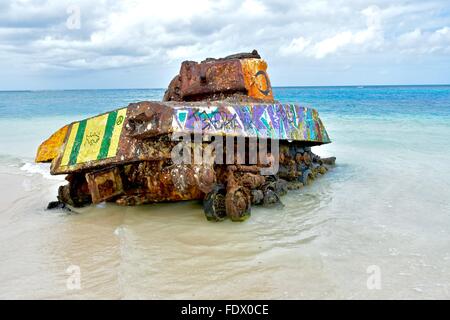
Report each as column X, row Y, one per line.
column 385, row 204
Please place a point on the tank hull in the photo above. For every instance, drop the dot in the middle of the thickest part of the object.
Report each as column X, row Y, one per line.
column 218, row 136
column 134, row 133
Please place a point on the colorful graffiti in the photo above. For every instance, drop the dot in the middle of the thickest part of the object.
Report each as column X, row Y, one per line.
column 98, row 138
column 274, row 121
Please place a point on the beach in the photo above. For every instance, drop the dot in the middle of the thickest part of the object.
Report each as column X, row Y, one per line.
column 385, row 204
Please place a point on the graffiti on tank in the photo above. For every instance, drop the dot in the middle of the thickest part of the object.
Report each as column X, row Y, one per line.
column 215, row 120
column 265, row 91
column 276, row 121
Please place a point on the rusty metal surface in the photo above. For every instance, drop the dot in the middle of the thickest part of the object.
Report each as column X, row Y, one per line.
column 125, row 156
column 157, row 181
column 49, row 149
column 256, row 79
column 141, row 132
column 143, row 181
column 216, row 79
column 201, row 79
column 104, row 184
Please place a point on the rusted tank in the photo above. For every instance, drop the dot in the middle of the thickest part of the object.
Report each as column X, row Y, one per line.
column 218, row 136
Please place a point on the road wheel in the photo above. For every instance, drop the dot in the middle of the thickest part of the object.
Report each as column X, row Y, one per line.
column 307, row 177
column 271, row 196
column 214, row 204
column 238, row 204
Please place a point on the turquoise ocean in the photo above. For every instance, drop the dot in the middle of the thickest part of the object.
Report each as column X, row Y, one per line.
column 382, row 215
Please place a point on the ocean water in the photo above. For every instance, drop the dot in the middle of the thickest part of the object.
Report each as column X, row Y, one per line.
column 376, row 226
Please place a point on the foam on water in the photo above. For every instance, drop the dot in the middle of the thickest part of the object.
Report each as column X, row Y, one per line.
column 42, row 169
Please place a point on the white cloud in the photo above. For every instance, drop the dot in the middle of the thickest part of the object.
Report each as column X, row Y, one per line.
column 130, row 33
column 296, row 46
column 410, row 38
column 371, row 36
column 425, row 42
column 380, row 33
column 253, row 8
column 332, row 44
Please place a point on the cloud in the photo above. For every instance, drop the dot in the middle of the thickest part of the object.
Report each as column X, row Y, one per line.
column 34, row 34
column 425, row 42
column 296, row 46
column 379, row 23
column 371, row 37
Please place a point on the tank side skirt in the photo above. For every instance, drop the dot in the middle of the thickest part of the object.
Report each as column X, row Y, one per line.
column 267, row 121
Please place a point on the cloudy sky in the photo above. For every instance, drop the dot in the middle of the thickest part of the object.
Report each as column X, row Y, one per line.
column 58, row 44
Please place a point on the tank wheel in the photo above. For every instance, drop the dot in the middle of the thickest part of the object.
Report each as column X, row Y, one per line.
column 281, row 187
column 214, row 204
column 238, row 204
column 306, row 177
column 270, row 195
column 257, row 196
column 323, row 169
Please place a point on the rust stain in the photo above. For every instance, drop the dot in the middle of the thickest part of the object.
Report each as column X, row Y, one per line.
column 50, row 148
column 256, row 79
column 104, row 184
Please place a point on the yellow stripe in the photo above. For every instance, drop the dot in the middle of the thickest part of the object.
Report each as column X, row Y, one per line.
column 69, row 144
column 92, row 139
column 121, row 114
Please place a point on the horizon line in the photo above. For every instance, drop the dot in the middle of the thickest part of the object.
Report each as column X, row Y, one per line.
column 281, row 87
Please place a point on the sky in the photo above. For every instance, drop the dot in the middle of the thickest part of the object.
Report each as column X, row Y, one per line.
column 85, row 44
